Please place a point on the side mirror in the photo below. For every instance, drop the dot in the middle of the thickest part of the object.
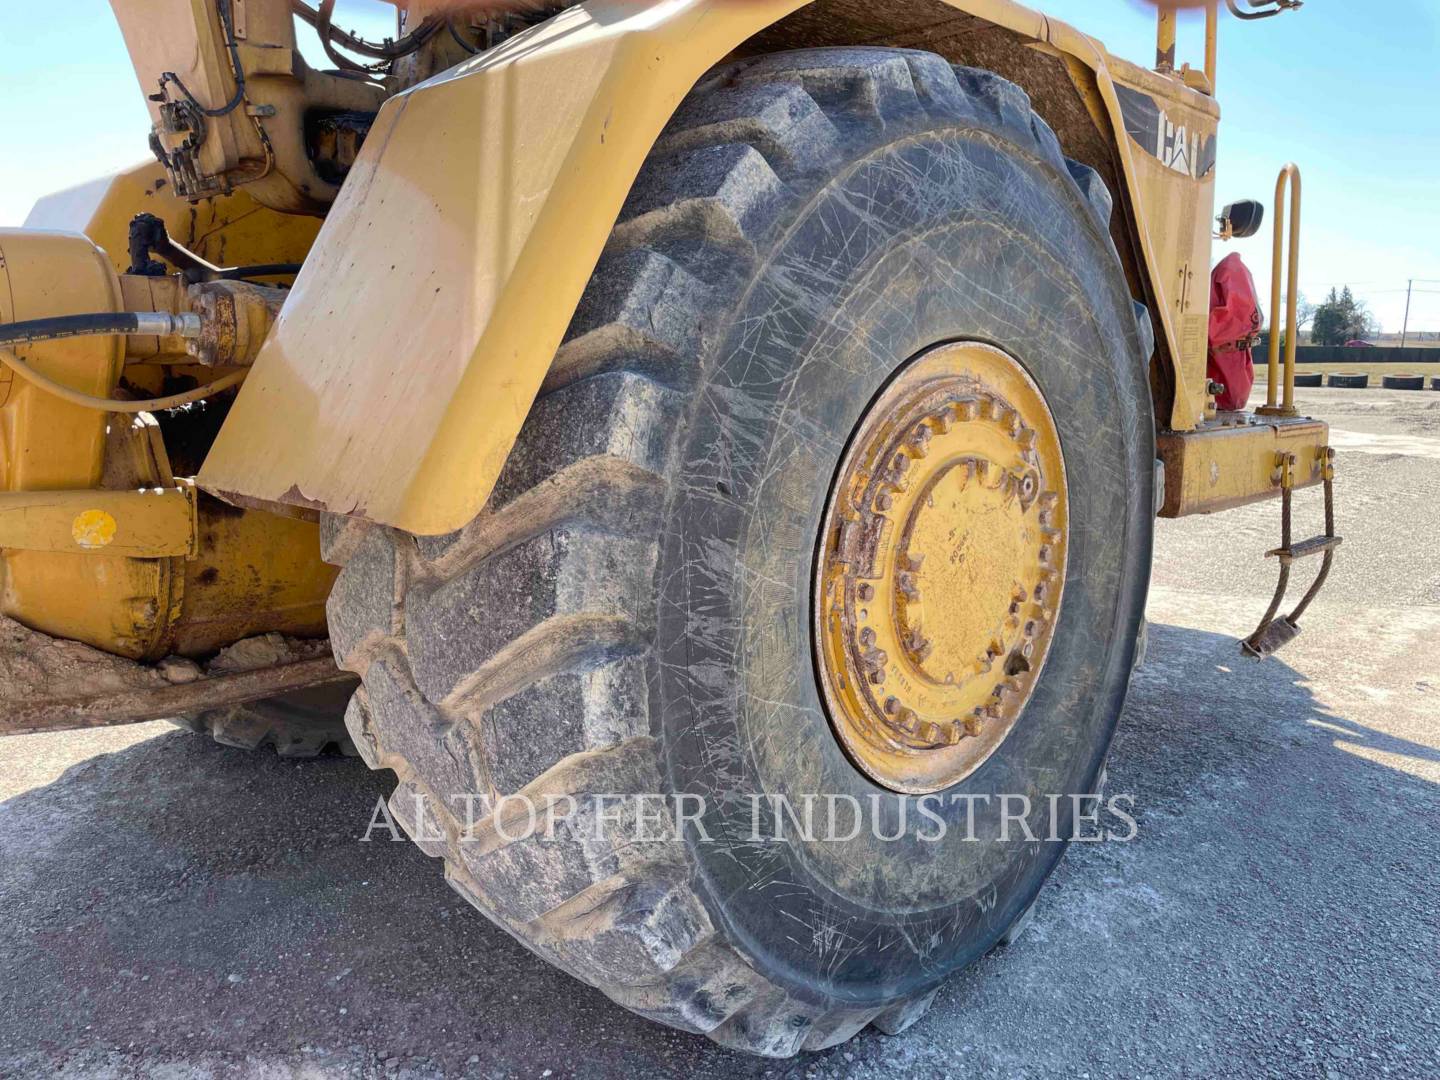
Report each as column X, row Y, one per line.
column 1241, row 219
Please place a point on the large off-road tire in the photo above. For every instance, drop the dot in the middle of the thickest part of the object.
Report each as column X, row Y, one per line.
column 1349, row 380
column 632, row 612
column 299, row 725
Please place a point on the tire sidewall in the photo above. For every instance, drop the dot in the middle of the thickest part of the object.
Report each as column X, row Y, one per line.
column 934, row 237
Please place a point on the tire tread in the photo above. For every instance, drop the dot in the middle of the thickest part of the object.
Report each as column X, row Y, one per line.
column 701, row 211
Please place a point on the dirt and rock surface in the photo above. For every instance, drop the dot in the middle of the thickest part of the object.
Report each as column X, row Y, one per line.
column 175, row 908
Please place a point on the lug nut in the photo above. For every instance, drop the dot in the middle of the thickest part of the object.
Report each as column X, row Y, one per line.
column 906, row 585
column 918, row 646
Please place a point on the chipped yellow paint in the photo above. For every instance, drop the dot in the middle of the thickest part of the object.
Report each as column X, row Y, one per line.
column 1231, row 462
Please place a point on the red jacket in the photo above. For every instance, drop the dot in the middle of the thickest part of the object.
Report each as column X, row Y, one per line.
column 1235, row 320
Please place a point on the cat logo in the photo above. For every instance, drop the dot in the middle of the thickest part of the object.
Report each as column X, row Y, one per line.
column 1173, row 146
column 1180, row 147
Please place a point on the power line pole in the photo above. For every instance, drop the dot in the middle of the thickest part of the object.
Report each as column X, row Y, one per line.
column 1405, row 326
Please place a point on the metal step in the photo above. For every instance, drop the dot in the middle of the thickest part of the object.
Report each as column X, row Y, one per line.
column 1314, row 546
column 1273, row 632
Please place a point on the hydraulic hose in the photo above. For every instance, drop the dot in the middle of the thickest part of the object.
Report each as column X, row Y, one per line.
column 387, row 50
column 148, row 236
column 159, row 323
column 86, row 401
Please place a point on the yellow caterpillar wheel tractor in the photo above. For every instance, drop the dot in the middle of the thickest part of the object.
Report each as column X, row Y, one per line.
column 698, row 402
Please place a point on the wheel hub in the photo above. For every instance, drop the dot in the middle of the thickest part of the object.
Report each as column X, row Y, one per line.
column 941, row 569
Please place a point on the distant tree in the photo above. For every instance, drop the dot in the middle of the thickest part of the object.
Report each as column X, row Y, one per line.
column 1306, row 312
column 1339, row 318
column 1327, row 325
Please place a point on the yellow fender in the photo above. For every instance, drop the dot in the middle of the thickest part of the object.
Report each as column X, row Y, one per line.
column 412, row 346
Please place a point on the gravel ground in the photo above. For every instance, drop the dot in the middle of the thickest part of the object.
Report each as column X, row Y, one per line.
column 173, row 908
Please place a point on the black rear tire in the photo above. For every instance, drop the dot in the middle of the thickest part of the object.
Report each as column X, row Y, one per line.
column 630, row 613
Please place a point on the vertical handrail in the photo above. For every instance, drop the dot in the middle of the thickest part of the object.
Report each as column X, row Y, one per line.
column 1289, row 175
column 1212, row 42
column 1165, row 40
column 1166, row 35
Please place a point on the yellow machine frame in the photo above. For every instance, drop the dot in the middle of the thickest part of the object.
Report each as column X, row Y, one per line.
column 416, row 337
column 99, row 541
column 434, row 296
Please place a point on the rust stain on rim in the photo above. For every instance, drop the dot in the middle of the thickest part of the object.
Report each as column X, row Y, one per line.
column 942, row 567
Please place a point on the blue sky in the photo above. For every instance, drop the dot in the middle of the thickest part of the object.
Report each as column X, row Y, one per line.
column 1350, row 91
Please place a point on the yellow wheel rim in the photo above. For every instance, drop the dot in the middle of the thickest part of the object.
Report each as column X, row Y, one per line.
column 942, row 567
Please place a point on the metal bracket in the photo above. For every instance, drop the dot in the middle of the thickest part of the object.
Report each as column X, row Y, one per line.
column 150, row 523
column 1273, row 633
column 1263, row 10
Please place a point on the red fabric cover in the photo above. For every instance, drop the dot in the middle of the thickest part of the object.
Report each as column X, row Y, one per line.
column 1234, row 325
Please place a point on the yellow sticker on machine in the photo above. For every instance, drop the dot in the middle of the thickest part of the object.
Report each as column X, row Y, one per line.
column 93, row 529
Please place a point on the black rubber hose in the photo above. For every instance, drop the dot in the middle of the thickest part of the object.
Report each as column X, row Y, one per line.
column 148, row 236
column 230, row 43
column 388, row 50
column 64, row 326
column 454, row 33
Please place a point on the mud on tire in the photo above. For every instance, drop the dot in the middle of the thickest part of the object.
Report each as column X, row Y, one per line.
column 629, row 612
